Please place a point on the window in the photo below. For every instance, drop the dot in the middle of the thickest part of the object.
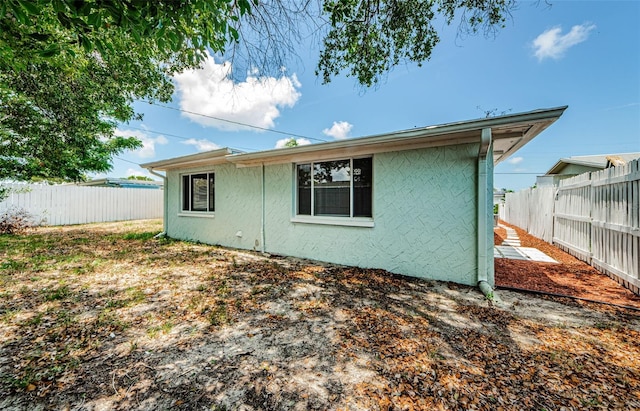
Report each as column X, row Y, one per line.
column 330, row 188
column 198, row 192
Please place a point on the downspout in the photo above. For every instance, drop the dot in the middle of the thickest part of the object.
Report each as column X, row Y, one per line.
column 485, row 154
column 165, row 188
column 262, row 233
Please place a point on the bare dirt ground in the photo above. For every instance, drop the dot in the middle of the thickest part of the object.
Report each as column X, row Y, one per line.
column 104, row 317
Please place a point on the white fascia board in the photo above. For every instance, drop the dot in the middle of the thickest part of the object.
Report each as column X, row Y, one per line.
column 192, row 160
column 532, row 123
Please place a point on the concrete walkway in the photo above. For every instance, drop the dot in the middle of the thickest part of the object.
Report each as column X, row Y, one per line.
column 512, row 249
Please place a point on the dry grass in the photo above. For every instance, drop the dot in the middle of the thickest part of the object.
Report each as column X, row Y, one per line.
column 107, row 317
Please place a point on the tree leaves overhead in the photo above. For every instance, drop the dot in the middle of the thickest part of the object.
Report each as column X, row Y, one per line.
column 70, row 71
column 185, row 27
column 369, row 37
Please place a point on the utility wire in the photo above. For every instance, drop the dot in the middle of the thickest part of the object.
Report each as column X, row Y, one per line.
column 181, row 137
column 236, row 122
column 126, row 161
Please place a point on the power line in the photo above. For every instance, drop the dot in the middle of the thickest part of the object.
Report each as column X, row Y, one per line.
column 126, row 161
column 237, row 122
column 181, row 137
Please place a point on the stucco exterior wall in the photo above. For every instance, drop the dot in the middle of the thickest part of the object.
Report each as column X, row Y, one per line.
column 238, row 208
column 424, row 212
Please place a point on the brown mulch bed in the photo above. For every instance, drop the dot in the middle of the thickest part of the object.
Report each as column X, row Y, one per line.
column 570, row 277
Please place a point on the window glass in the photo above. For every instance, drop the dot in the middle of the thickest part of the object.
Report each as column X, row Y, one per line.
column 362, row 193
column 185, row 193
column 212, row 192
column 199, row 194
column 304, row 189
column 332, row 181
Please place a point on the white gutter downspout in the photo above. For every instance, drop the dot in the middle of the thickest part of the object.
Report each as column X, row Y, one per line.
column 485, row 154
column 262, row 233
column 165, row 188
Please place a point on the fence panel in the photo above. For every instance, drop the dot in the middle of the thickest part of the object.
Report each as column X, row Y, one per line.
column 596, row 217
column 531, row 210
column 69, row 204
column 615, row 223
column 572, row 217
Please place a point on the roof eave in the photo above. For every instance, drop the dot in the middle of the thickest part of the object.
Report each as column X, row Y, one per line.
column 191, row 160
column 439, row 135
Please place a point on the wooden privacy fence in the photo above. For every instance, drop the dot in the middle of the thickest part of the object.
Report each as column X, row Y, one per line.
column 594, row 216
column 69, row 204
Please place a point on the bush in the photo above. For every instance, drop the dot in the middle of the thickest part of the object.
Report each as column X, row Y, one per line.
column 15, row 221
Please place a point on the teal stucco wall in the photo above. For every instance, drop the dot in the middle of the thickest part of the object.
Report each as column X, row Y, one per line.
column 424, row 213
column 238, row 208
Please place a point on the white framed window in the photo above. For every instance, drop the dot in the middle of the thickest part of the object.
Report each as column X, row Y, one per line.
column 335, row 189
column 198, row 192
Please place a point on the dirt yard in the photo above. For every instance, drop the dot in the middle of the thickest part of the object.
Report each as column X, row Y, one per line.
column 105, row 317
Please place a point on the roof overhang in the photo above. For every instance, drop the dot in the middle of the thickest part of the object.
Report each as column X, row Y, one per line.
column 509, row 133
column 193, row 160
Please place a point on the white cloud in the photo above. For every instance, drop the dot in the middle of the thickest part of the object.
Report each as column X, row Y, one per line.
column 301, row 142
column 148, row 149
column 339, row 130
column 201, row 145
column 255, row 101
column 515, row 160
column 554, row 45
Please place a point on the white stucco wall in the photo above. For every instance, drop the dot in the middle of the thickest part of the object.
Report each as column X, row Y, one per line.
column 424, row 212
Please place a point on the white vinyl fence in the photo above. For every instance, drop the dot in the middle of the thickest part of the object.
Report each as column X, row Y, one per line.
column 70, row 204
column 532, row 210
column 594, row 216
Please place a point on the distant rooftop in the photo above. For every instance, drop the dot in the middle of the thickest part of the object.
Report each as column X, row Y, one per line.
column 122, row 182
column 596, row 161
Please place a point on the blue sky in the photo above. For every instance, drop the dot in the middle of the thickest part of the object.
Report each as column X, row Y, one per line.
column 582, row 54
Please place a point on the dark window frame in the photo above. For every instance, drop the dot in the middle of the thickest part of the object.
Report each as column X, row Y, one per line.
column 307, row 207
column 188, row 185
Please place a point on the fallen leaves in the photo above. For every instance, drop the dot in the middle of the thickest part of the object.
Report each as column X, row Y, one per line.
column 158, row 324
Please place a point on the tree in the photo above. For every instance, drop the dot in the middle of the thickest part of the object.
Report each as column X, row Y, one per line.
column 140, row 178
column 71, row 69
column 369, row 37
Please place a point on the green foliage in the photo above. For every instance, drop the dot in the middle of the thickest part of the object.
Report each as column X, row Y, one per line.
column 292, row 142
column 70, row 71
column 140, row 236
column 140, row 178
column 368, row 38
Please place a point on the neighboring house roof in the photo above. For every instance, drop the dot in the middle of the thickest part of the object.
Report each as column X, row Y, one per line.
column 600, row 161
column 122, row 182
column 509, row 133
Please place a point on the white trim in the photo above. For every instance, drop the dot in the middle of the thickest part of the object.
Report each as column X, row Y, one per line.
column 344, row 221
column 509, row 133
column 199, row 214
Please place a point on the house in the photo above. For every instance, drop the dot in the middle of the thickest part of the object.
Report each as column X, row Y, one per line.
column 122, row 183
column 572, row 166
column 416, row 202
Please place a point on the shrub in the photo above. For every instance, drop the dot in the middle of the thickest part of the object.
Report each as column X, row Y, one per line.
column 15, row 221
